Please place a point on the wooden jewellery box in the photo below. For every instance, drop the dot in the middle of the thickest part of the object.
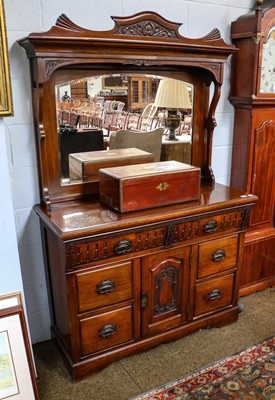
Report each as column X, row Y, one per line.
column 137, row 187
column 85, row 166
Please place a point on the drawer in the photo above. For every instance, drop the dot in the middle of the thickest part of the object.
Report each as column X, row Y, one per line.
column 214, row 294
column 83, row 251
column 106, row 330
column 217, row 256
column 109, row 285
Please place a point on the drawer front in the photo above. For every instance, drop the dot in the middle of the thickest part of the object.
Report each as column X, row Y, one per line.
column 99, row 288
column 84, row 251
column 114, row 245
column 214, row 294
column 217, row 256
column 106, row 330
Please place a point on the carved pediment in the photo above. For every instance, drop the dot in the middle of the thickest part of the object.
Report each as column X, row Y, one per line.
column 148, row 25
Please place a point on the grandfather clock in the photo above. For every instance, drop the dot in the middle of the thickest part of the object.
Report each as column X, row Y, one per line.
column 253, row 161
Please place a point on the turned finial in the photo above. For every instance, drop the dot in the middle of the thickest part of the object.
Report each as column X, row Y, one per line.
column 259, row 3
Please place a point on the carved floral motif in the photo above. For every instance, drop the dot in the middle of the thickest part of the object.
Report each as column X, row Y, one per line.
column 147, row 28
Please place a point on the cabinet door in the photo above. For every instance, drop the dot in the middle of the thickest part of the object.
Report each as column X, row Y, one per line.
column 165, row 282
column 141, row 92
column 263, row 171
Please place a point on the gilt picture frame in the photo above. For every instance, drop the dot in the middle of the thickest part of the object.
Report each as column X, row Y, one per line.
column 17, row 371
column 6, row 106
column 10, row 300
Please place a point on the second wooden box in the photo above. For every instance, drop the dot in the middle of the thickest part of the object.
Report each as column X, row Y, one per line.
column 85, row 166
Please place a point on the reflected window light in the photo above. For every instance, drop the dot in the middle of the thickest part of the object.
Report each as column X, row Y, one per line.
column 73, row 215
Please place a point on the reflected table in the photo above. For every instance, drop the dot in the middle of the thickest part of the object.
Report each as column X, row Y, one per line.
column 178, row 150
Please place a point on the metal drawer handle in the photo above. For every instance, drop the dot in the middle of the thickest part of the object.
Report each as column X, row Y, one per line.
column 219, row 255
column 122, row 247
column 105, row 287
column 211, row 226
column 107, row 330
column 214, row 295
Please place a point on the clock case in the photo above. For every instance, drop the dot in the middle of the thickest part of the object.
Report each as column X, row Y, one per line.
column 253, row 159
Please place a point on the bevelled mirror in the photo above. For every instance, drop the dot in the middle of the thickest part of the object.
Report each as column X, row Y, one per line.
column 91, row 108
column 88, row 81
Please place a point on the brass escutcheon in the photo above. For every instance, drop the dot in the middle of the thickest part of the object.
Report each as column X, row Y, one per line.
column 162, row 186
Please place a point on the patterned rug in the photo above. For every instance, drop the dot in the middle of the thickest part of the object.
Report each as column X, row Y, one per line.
column 244, row 376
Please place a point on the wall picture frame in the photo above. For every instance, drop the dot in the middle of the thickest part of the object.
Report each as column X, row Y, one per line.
column 17, row 371
column 6, row 106
column 10, row 300
column 113, row 83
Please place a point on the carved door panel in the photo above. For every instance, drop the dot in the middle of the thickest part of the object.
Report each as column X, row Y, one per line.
column 165, row 283
column 263, row 173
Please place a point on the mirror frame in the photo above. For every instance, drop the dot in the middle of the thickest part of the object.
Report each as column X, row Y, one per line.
column 142, row 43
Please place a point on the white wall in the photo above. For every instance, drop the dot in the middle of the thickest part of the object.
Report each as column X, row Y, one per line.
column 11, row 280
column 198, row 17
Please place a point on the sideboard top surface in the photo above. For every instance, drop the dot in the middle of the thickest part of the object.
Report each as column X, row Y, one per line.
column 83, row 218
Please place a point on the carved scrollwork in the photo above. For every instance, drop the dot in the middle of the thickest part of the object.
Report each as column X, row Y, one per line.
column 167, row 279
column 147, row 28
column 215, row 69
column 139, row 63
column 50, row 65
column 169, row 236
column 246, row 218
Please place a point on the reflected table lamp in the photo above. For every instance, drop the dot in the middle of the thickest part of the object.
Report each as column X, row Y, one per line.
column 173, row 95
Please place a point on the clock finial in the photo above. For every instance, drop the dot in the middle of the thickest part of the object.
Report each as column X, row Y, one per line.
column 259, row 3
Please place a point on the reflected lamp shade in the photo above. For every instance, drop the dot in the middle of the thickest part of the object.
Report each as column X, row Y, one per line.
column 173, row 95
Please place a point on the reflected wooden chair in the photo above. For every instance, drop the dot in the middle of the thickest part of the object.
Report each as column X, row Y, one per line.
column 133, row 121
column 75, row 104
column 65, row 117
column 100, row 100
column 120, row 106
column 186, row 125
column 149, row 141
column 148, row 118
column 73, row 118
